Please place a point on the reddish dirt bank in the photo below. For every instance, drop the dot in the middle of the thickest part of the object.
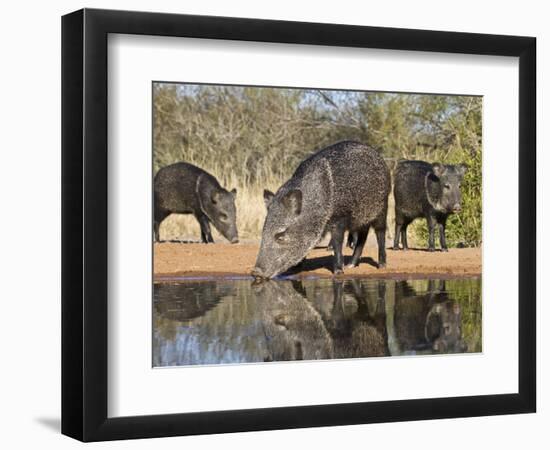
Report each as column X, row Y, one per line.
column 174, row 260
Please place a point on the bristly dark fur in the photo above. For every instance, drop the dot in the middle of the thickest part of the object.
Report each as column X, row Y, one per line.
column 426, row 190
column 343, row 187
column 183, row 188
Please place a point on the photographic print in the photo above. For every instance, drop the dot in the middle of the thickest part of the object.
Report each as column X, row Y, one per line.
column 296, row 213
column 311, row 224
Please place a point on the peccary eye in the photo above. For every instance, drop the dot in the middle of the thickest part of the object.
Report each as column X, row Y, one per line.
column 281, row 237
column 447, row 186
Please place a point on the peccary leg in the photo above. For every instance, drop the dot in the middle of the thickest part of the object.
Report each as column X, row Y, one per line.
column 404, row 236
column 337, row 242
column 442, row 240
column 356, row 287
column 330, row 245
column 358, row 249
column 337, row 313
column 398, row 226
column 156, row 231
column 401, row 224
column 431, row 233
column 160, row 215
column 206, row 234
column 381, row 238
column 352, row 239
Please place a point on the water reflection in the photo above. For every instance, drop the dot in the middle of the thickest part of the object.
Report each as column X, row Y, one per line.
column 236, row 321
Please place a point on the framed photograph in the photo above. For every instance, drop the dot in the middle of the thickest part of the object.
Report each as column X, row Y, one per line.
column 273, row 224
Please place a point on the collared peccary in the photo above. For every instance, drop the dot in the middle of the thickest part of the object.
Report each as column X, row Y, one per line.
column 342, row 187
column 426, row 190
column 183, row 188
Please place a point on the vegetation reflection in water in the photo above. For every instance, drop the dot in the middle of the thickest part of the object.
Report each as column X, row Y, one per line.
column 237, row 321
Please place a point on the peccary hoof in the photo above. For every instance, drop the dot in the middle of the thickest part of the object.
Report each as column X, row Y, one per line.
column 338, row 271
column 431, row 249
column 396, row 247
column 351, row 265
column 445, row 249
column 382, row 265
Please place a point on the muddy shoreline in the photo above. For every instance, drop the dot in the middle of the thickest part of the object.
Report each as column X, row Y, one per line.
column 179, row 261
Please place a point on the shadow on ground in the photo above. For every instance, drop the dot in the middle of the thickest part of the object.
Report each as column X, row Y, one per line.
column 326, row 262
column 53, row 423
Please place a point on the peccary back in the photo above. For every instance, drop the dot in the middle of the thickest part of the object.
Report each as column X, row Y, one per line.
column 342, row 187
column 183, row 188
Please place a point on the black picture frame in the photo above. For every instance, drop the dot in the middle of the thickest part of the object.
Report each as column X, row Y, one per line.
column 84, row 224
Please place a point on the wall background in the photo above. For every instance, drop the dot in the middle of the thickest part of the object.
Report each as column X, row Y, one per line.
column 31, row 189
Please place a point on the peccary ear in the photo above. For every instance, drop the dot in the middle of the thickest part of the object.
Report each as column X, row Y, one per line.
column 292, row 201
column 461, row 169
column 268, row 196
column 439, row 169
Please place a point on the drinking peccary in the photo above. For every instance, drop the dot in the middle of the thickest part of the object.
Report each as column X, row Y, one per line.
column 426, row 190
column 342, row 187
column 182, row 188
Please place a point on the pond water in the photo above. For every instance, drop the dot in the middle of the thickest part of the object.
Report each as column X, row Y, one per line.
column 238, row 321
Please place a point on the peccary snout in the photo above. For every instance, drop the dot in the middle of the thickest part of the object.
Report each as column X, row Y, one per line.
column 444, row 189
column 258, row 273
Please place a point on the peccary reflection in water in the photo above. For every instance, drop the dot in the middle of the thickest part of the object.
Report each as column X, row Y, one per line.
column 293, row 330
column 262, row 323
column 419, row 323
column 285, row 320
column 354, row 315
column 428, row 323
column 182, row 302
